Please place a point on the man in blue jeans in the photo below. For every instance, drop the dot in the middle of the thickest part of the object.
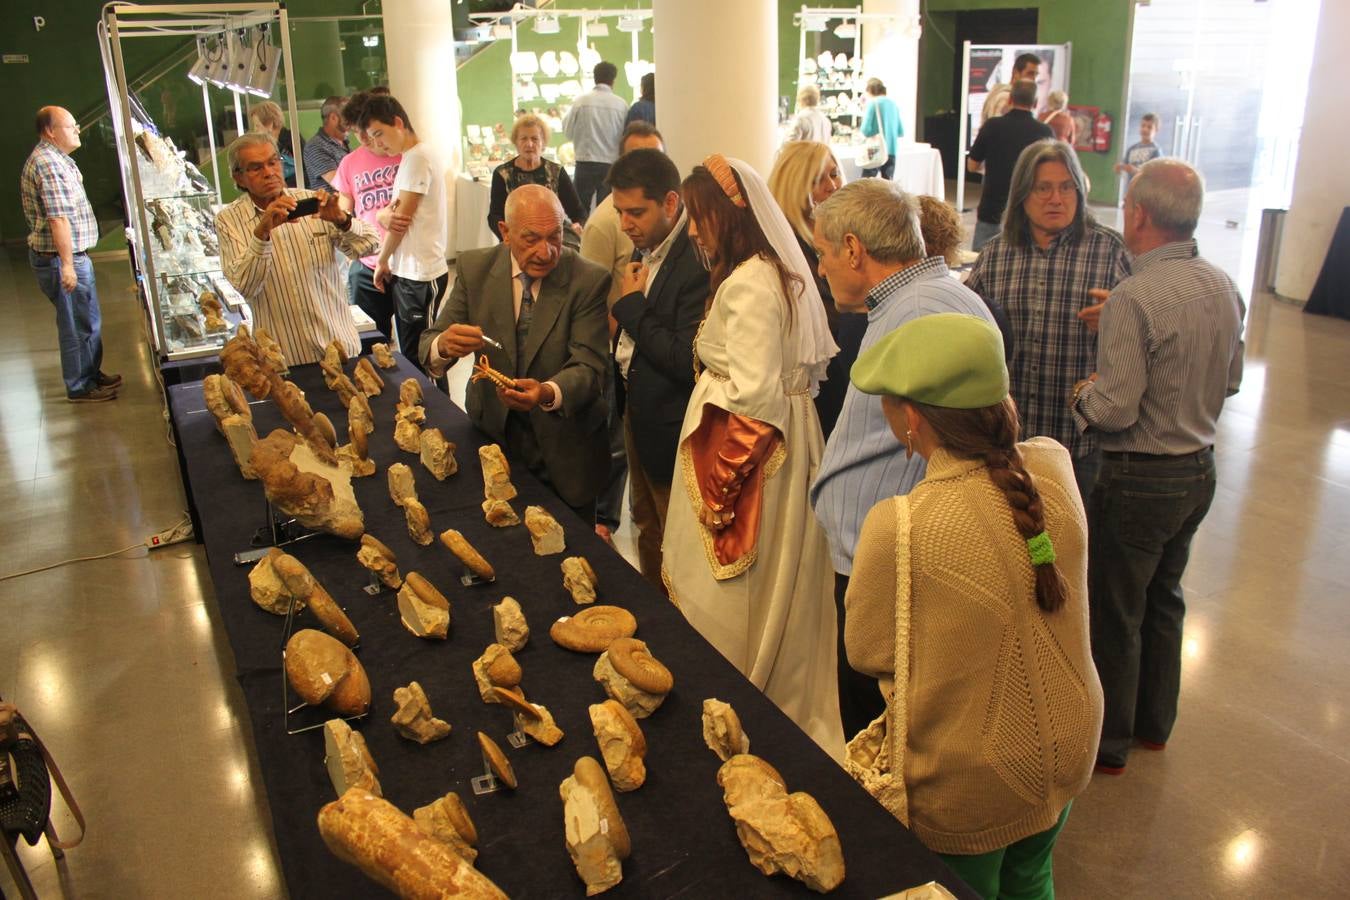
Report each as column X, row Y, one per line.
column 61, row 228
column 1169, row 352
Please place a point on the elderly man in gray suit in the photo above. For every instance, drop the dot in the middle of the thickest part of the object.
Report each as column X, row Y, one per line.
column 544, row 306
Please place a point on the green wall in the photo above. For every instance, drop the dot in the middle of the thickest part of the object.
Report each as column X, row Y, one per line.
column 1100, row 33
column 65, row 68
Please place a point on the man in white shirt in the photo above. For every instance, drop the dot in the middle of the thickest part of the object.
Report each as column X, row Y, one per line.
column 285, row 267
column 595, row 126
column 412, row 267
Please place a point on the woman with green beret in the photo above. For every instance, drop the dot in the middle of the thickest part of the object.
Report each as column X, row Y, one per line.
column 969, row 603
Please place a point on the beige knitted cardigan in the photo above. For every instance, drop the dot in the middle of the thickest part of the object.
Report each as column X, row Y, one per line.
column 996, row 725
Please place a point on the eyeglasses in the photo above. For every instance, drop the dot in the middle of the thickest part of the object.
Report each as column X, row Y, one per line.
column 255, row 168
column 1042, row 190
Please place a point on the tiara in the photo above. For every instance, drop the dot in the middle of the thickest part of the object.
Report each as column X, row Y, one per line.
column 720, row 170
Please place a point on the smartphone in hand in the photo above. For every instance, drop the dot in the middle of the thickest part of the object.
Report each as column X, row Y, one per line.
column 307, row 207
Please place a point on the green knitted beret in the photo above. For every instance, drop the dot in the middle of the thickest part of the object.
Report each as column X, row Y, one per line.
column 945, row 359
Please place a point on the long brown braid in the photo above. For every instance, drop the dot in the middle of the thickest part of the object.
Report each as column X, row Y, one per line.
column 990, row 433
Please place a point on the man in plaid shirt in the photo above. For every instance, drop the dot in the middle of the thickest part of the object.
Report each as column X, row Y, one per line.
column 61, row 228
column 1051, row 268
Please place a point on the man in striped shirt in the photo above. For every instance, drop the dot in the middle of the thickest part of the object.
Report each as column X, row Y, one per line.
column 1170, row 352
column 286, row 267
column 61, row 228
column 1051, row 268
column 872, row 253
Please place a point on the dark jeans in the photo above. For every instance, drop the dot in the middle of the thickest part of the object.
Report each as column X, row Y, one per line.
column 412, row 312
column 886, row 171
column 590, row 184
column 609, row 505
column 860, row 699
column 1085, row 470
column 361, row 291
column 79, row 322
column 1146, row 509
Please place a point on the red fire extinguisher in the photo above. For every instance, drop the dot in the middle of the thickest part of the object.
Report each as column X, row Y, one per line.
column 1101, row 133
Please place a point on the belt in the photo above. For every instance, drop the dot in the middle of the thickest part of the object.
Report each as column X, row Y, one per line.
column 45, row 255
column 1128, row 455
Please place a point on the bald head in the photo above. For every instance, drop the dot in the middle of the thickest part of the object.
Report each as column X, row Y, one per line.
column 56, row 125
column 532, row 200
column 532, row 229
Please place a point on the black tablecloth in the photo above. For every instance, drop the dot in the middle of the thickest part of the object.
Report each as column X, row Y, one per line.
column 1331, row 294
column 684, row 842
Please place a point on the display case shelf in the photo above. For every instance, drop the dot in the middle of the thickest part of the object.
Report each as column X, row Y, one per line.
column 173, row 247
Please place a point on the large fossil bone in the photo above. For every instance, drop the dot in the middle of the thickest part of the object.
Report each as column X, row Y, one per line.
column 781, row 832
column 373, row 835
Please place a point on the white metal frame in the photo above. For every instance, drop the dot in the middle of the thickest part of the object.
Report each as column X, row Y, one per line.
column 854, row 15
column 122, row 21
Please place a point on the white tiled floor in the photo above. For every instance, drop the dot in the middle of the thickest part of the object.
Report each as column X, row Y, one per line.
column 121, row 664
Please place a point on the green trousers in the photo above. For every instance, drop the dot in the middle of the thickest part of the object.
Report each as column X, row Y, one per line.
column 1020, row 871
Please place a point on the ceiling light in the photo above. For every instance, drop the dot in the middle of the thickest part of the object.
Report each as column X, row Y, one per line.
column 371, row 38
column 631, row 23
column 499, row 32
column 546, row 25
column 597, row 30
column 815, row 23
column 847, row 30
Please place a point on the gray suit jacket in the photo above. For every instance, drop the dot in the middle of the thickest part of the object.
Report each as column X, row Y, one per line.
column 567, row 345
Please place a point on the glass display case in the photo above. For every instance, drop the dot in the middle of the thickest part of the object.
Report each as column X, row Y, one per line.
column 190, row 308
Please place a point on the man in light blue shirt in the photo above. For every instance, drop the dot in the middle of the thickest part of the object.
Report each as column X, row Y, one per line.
column 595, row 125
column 882, row 117
column 872, row 253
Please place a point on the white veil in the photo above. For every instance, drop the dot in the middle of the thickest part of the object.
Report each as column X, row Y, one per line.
column 815, row 345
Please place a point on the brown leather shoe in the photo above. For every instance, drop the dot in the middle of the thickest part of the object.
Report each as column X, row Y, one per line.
column 93, row 395
column 103, row 379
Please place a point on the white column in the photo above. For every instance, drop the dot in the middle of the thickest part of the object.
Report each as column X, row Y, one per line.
column 1321, row 177
column 420, row 48
column 718, row 61
column 891, row 53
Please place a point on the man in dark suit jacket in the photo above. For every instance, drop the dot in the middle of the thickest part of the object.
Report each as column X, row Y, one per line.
column 661, row 303
column 546, row 307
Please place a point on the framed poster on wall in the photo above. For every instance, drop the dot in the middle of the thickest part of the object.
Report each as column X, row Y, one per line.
column 986, row 69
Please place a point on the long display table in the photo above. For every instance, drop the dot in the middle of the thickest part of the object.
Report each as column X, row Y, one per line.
column 684, row 842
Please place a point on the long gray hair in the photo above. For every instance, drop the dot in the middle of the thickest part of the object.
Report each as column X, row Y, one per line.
column 1016, row 225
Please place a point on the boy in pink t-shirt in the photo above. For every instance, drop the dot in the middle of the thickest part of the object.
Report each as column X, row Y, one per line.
column 365, row 184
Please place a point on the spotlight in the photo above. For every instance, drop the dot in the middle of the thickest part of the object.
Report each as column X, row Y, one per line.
column 546, row 25
column 264, row 65
column 218, row 62
column 197, row 74
column 630, row 23
column 238, row 54
column 815, row 23
column 371, row 38
column 847, row 30
column 597, row 30
column 499, row 32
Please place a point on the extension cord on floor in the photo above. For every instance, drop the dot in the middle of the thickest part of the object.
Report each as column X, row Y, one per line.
column 175, row 535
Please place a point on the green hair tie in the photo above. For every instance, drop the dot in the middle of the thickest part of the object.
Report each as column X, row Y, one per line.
column 1041, row 550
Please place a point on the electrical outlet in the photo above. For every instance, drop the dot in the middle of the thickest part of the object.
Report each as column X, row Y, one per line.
column 175, row 535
